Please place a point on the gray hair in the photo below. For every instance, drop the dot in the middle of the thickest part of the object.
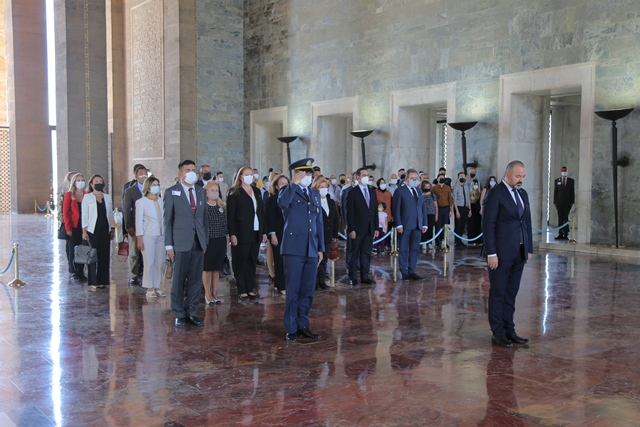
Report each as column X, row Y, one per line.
column 512, row 165
column 412, row 170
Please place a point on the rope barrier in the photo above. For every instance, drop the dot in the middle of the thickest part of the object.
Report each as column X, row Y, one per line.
column 466, row 240
column 39, row 208
column 433, row 238
column 382, row 238
column 549, row 230
column 4, row 270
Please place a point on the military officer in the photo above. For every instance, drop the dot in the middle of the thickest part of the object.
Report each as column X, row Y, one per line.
column 302, row 247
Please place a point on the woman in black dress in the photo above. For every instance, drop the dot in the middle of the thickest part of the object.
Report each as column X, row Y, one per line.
column 275, row 227
column 217, row 246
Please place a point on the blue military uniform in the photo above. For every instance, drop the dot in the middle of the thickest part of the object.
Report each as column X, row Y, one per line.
column 302, row 239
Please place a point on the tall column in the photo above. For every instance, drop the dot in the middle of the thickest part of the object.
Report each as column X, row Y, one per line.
column 81, row 87
column 26, row 46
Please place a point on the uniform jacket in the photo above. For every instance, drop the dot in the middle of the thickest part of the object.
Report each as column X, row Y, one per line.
column 502, row 225
column 407, row 212
column 360, row 218
column 180, row 225
column 303, row 233
column 564, row 195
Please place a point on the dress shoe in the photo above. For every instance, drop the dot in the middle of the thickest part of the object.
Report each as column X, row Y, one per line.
column 195, row 320
column 181, row 322
column 291, row 338
column 559, row 237
column 253, row 297
column 501, row 341
column 367, row 281
column 283, row 292
column 414, row 276
column 135, row 282
column 243, row 299
column 353, row 282
column 306, row 333
column 406, row 278
column 514, row 338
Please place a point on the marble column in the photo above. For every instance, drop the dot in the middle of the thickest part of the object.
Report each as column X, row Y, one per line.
column 26, row 48
column 81, row 87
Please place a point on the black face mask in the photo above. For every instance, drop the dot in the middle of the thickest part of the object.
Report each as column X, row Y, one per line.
column 206, row 176
column 426, row 190
column 403, row 176
column 342, row 181
column 441, row 180
column 472, row 175
column 99, row 186
column 462, row 180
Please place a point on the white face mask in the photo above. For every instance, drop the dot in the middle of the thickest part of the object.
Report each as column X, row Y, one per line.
column 141, row 178
column 475, row 187
column 306, row 181
column 383, row 186
column 266, row 184
column 256, row 176
column 221, row 179
column 190, row 177
column 248, row 179
column 414, row 183
column 324, row 192
column 80, row 185
column 364, row 181
column 334, row 181
column 154, row 189
column 492, row 183
column 394, row 181
column 564, row 174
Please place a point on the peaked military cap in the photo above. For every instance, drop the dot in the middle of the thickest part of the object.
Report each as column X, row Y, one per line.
column 305, row 165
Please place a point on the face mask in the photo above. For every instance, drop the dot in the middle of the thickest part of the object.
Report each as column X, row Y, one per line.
column 364, row 180
column 206, row 176
column 492, row 183
column 141, row 178
column 472, row 175
column 221, row 179
column 154, row 189
column 475, row 187
column 403, row 176
column 462, row 180
column 99, row 186
column 394, row 181
column 564, row 174
column 212, row 195
column 324, row 192
column 383, row 187
column 380, row 209
column 306, row 181
column 441, row 180
column 266, row 185
column 426, row 190
column 190, row 177
column 342, row 181
column 248, row 179
column 256, row 176
column 415, row 183
column 334, row 181
column 80, row 185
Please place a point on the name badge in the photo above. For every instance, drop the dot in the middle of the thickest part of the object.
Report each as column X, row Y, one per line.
column 175, row 193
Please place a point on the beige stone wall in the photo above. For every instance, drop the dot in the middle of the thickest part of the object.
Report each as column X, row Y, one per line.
column 3, row 70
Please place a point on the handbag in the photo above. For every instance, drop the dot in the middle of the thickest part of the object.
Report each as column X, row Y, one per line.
column 62, row 232
column 334, row 251
column 226, row 266
column 123, row 247
column 85, row 254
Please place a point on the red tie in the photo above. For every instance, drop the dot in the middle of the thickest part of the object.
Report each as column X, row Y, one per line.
column 192, row 201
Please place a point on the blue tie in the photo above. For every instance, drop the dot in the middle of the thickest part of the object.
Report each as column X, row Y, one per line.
column 518, row 202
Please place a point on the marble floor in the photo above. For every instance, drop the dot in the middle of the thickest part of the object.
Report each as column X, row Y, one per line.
column 391, row 354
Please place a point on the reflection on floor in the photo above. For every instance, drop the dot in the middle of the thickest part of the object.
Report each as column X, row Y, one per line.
column 392, row 353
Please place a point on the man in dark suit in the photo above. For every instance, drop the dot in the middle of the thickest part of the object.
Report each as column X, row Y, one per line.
column 508, row 244
column 362, row 226
column 410, row 215
column 564, row 197
column 126, row 186
column 205, row 175
column 185, row 239
column 343, row 210
column 133, row 193
column 302, row 248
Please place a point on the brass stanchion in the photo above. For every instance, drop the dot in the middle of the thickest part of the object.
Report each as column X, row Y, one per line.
column 395, row 242
column 573, row 229
column 444, row 268
column 48, row 208
column 16, row 283
column 333, row 273
column 395, row 268
column 35, row 207
column 445, row 239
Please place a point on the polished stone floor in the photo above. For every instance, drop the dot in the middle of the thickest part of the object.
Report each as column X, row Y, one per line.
column 391, row 354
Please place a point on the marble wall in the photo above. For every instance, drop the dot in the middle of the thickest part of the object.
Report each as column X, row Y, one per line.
column 299, row 52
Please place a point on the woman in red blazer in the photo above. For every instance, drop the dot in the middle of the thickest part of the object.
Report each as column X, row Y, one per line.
column 71, row 212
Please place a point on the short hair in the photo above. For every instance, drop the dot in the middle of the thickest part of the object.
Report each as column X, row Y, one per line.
column 512, row 164
column 137, row 166
column 204, row 166
column 147, row 184
column 219, row 173
column 442, row 169
column 316, row 169
column 384, row 205
column 461, row 173
column 412, row 170
column 401, row 169
column 185, row 163
column 359, row 171
column 564, row 167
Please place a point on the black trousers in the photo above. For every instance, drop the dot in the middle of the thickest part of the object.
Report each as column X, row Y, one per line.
column 443, row 218
column 74, row 240
column 244, row 259
column 563, row 217
column 505, row 283
column 322, row 269
column 186, row 280
column 461, row 223
column 278, row 263
column 475, row 223
column 431, row 222
column 361, row 248
column 99, row 272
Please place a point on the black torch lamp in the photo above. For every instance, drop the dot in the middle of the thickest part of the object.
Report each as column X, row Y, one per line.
column 463, row 127
column 362, row 134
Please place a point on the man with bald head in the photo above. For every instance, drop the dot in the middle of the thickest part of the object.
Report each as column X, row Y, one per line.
column 508, row 245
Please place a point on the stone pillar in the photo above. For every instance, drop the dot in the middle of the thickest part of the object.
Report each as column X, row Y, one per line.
column 26, row 47
column 81, row 87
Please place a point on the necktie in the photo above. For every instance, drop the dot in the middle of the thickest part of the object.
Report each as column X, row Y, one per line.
column 564, row 182
column 366, row 196
column 415, row 194
column 192, row 201
column 306, row 195
column 518, row 202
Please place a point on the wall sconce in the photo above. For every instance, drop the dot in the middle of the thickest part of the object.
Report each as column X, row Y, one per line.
column 463, row 127
column 614, row 115
column 362, row 134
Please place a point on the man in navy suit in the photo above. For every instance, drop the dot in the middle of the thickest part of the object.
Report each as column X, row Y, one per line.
column 302, row 247
column 410, row 214
column 564, row 197
column 362, row 226
column 508, row 245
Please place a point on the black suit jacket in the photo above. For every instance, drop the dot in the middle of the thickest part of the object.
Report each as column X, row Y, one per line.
column 564, row 195
column 240, row 215
column 131, row 196
column 502, row 226
column 331, row 223
column 275, row 219
column 360, row 218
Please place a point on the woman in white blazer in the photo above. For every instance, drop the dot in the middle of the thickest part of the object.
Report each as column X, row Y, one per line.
column 97, row 228
column 150, row 233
